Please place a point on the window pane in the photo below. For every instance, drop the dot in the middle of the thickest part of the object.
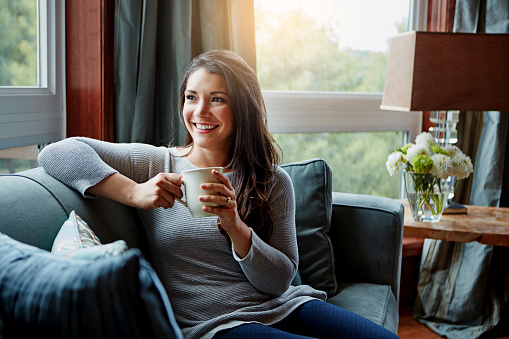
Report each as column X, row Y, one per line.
column 18, row 159
column 18, row 43
column 326, row 45
column 357, row 160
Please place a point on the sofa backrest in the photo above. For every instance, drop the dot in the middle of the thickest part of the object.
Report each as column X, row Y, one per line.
column 34, row 205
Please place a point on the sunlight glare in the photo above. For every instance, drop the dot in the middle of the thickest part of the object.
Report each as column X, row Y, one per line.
column 360, row 24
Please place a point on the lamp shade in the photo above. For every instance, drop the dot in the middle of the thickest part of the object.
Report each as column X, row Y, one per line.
column 430, row 71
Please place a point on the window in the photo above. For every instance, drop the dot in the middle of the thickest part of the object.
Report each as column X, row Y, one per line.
column 18, row 46
column 32, row 68
column 18, row 159
column 32, row 79
column 321, row 65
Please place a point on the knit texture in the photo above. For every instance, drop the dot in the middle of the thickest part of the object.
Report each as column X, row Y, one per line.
column 209, row 286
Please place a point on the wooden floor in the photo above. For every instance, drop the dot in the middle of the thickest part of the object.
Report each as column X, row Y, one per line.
column 409, row 328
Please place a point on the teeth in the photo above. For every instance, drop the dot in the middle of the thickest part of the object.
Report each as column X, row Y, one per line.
column 203, row 126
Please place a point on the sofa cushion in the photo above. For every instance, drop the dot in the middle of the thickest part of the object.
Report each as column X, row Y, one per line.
column 312, row 182
column 76, row 240
column 372, row 301
column 43, row 295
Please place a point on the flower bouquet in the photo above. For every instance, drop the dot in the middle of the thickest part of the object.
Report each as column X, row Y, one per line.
column 428, row 170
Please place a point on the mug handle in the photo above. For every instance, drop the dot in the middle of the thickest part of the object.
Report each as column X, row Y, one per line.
column 178, row 199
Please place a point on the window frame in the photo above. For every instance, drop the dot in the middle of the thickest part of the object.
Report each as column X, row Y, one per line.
column 314, row 112
column 36, row 115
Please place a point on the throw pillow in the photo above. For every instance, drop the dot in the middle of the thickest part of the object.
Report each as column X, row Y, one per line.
column 44, row 295
column 312, row 182
column 77, row 240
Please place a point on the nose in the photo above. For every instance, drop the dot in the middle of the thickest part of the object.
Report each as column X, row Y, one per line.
column 201, row 109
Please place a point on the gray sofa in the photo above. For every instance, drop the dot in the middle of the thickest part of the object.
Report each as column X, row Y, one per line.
column 349, row 244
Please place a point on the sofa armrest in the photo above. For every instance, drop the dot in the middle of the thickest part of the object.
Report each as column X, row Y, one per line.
column 34, row 205
column 367, row 236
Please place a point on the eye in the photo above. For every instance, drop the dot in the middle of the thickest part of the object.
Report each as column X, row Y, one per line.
column 218, row 99
column 190, row 97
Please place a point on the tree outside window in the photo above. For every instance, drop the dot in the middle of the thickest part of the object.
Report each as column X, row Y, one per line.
column 303, row 45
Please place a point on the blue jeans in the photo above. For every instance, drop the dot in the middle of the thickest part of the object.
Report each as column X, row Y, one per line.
column 314, row 319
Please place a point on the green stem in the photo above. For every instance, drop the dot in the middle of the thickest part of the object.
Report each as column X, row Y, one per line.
column 425, row 188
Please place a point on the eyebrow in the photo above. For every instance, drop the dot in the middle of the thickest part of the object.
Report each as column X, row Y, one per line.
column 212, row 93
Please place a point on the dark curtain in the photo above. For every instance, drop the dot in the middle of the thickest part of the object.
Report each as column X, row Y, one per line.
column 463, row 288
column 483, row 135
column 154, row 42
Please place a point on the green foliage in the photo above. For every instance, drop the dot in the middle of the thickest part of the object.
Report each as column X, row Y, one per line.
column 18, row 43
column 294, row 53
column 16, row 165
column 357, row 160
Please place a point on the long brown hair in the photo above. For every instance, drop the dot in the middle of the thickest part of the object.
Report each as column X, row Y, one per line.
column 253, row 152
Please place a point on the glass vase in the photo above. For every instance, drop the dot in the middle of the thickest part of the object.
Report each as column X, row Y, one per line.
column 427, row 195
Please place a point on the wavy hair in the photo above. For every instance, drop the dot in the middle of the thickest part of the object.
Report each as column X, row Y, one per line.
column 253, row 150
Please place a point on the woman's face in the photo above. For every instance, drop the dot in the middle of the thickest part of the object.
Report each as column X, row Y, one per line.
column 207, row 111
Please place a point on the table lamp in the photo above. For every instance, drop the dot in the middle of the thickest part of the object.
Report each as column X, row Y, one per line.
column 446, row 73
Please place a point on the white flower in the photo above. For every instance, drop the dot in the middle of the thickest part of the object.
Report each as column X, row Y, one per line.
column 442, row 166
column 462, row 165
column 416, row 150
column 452, row 150
column 425, row 139
column 441, row 162
column 395, row 163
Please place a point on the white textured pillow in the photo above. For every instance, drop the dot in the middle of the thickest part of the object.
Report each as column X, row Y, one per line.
column 76, row 240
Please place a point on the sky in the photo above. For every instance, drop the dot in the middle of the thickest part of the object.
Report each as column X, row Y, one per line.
column 360, row 24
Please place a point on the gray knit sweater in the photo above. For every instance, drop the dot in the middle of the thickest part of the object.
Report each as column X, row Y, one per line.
column 209, row 286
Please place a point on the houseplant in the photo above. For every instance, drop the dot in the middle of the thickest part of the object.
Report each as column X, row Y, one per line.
column 428, row 170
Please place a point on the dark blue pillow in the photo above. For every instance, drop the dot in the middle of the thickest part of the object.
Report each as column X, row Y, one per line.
column 55, row 297
column 312, row 183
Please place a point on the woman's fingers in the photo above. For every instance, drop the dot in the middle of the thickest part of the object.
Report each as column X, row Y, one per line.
column 225, row 197
column 223, row 193
column 160, row 191
column 170, row 182
column 220, row 200
column 222, row 178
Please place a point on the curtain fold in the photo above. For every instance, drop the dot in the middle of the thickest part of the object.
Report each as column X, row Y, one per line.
column 463, row 288
column 154, row 42
column 489, row 168
column 469, row 134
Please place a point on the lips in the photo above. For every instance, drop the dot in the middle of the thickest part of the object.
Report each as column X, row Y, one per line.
column 205, row 127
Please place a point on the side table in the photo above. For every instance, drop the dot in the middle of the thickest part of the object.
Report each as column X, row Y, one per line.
column 487, row 225
column 464, row 277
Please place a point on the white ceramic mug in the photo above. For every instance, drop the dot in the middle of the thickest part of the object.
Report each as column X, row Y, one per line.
column 192, row 180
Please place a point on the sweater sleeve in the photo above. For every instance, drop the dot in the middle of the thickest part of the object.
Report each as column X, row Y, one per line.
column 271, row 266
column 83, row 162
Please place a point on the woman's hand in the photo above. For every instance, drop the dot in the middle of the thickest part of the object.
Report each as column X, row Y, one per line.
column 239, row 232
column 225, row 199
column 160, row 191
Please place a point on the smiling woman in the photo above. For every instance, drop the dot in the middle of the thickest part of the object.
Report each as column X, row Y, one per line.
column 245, row 255
column 208, row 117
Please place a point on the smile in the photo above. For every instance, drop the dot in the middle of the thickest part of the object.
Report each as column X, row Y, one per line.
column 205, row 126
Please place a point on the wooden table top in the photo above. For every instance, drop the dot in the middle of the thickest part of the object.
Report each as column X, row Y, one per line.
column 487, row 225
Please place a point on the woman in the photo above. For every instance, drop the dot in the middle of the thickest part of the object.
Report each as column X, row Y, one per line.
column 228, row 274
